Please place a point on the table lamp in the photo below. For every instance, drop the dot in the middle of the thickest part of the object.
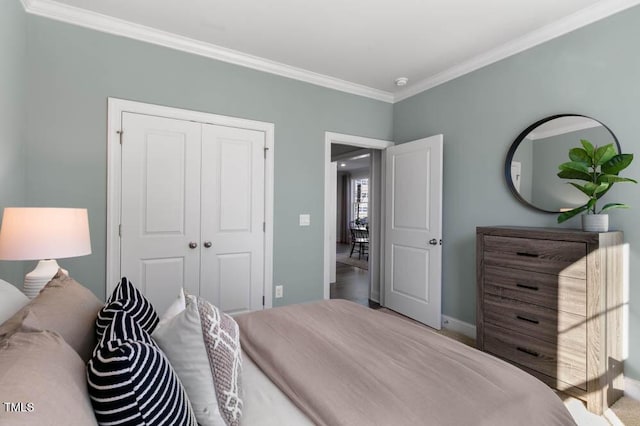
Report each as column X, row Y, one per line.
column 44, row 234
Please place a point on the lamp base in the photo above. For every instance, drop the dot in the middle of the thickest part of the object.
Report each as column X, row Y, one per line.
column 39, row 277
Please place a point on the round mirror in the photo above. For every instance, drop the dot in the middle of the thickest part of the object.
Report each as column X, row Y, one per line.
column 532, row 162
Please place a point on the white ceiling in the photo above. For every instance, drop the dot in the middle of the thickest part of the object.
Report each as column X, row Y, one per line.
column 359, row 46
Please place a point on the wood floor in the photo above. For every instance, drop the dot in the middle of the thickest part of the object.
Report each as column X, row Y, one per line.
column 352, row 283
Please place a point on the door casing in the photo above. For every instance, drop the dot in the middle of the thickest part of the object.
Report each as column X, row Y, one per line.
column 114, row 125
column 362, row 142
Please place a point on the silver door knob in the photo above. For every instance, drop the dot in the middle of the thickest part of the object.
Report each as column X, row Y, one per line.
column 433, row 242
column 193, row 245
column 207, row 244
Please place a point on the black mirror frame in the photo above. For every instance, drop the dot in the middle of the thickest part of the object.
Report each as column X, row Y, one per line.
column 516, row 144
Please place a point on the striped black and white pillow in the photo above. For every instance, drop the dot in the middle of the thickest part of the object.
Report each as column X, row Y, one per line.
column 124, row 327
column 126, row 297
column 131, row 382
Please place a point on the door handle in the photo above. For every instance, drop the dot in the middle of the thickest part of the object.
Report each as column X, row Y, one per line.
column 193, row 245
column 433, row 242
column 207, row 244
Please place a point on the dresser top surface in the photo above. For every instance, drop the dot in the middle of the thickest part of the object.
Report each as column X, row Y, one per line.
column 546, row 233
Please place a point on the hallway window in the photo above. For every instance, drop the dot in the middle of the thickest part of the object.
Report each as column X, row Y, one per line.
column 360, row 197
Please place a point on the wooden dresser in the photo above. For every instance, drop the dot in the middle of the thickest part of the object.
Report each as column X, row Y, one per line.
column 550, row 302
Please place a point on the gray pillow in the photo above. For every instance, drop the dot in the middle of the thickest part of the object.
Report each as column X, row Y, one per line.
column 66, row 307
column 43, row 379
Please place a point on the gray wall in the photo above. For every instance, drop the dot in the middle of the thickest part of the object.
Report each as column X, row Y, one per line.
column 13, row 48
column 592, row 71
column 73, row 70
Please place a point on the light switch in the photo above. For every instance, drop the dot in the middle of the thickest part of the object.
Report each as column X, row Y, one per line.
column 305, row 219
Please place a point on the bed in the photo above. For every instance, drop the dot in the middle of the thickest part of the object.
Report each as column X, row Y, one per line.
column 338, row 363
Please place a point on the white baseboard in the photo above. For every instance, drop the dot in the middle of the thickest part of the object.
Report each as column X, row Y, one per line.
column 459, row 326
column 632, row 388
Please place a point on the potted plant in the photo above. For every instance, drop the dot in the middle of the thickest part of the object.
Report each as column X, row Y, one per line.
column 599, row 168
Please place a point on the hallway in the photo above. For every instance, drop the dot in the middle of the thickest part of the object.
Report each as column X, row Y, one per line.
column 352, row 283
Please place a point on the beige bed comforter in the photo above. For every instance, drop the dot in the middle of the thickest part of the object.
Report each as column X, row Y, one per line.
column 344, row 364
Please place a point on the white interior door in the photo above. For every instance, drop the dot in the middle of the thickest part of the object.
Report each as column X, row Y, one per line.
column 160, row 206
column 232, row 268
column 413, row 231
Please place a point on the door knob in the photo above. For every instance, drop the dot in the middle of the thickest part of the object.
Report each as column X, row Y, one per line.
column 193, row 245
column 207, row 244
column 433, row 242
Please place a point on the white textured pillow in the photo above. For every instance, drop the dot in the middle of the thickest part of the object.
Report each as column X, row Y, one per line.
column 11, row 300
column 174, row 309
column 180, row 338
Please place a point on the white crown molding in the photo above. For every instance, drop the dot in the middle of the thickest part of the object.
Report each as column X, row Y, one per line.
column 99, row 22
column 572, row 22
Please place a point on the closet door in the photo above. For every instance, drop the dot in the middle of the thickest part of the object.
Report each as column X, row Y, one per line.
column 232, row 217
column 160, row 215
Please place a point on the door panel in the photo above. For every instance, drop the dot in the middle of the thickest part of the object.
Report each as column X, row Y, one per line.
column 232, row 210
column 408, row 280
column 235, row 268
column 160, row 205
column 413, row 224
column 234, row 184
column 158, row 275
column 410, row 188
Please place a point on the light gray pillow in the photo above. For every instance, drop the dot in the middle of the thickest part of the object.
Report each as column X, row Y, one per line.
column 203, row 347
column 11, row 300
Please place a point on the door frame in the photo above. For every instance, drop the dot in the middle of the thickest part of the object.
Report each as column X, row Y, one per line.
column 362, row 142
column 115, row 108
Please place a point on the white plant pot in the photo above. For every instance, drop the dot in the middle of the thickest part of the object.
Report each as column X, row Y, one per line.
column 595, row 222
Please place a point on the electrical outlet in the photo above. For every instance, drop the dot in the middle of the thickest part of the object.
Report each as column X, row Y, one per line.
column 279, row 291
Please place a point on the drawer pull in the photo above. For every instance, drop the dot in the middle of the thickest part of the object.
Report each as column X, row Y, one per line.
column 528, row 287
column 528, row 351
column 525, row 254
column 521, row 318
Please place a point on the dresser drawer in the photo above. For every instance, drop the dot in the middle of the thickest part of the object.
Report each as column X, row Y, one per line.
column 558, row 292
column 561, row 328
column 564, row 258
column 547, row 358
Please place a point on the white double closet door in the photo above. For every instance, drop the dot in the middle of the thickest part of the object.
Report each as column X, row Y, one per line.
column 192, row 214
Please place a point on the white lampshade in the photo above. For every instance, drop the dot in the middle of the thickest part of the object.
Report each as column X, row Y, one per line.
column 30, row 233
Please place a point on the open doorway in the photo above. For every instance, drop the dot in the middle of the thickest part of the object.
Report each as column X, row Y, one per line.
column 351, row 280
column 359, row 283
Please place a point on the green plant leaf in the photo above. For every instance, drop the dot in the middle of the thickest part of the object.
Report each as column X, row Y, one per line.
column 613, row 206
column 591, row 205
column 575, row 166
column 582, row 188
column 590, row 189
column 587, row 147
column 604, row 154
column 599, row 188
column 579, row 155
column 614, row 178
column 564, row 216
column 616, row 164
column 572, row 174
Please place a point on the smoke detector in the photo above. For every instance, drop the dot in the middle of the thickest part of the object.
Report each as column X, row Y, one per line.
column 401, row 81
